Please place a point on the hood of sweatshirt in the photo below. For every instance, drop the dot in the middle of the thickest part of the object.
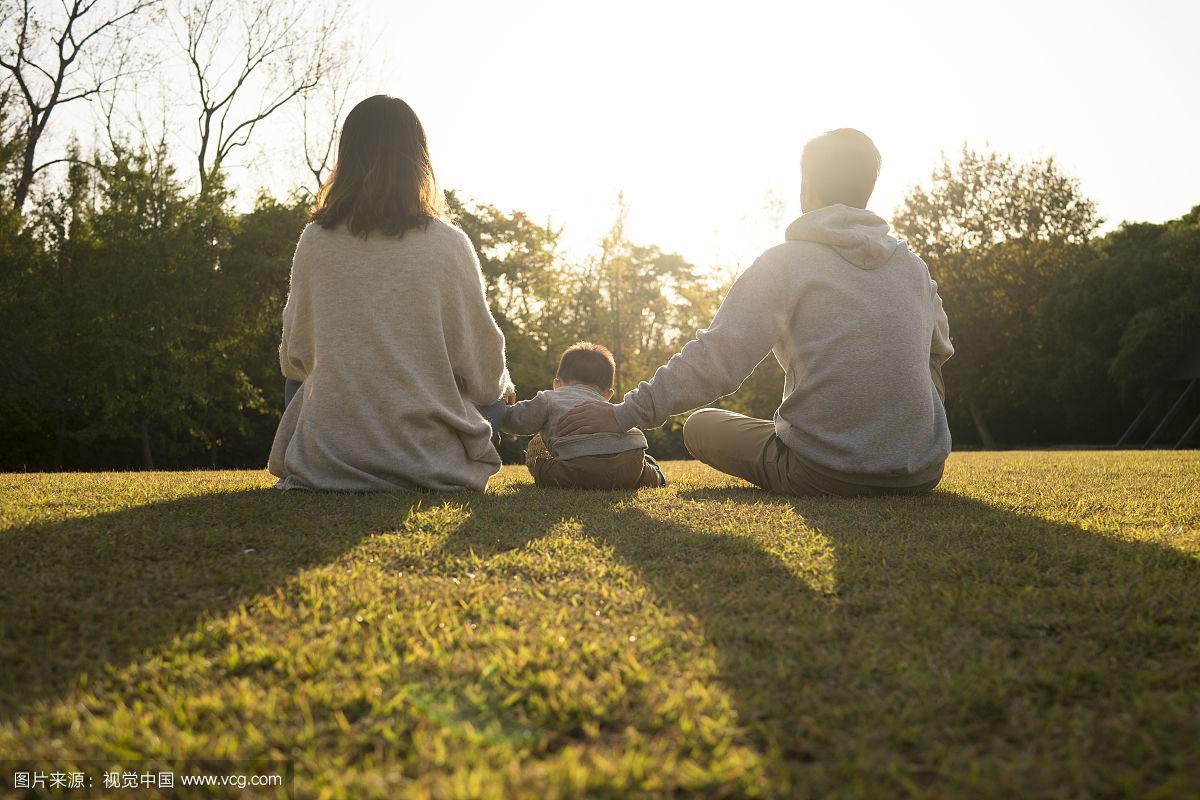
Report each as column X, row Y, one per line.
column 859, row 236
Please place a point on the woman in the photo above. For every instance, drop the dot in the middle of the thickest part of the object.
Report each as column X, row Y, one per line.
column 387, row 327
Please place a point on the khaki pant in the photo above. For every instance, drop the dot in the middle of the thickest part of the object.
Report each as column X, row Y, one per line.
column 627, row 470
column 750, row 449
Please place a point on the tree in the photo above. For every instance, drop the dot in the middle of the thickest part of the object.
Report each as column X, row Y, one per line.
column 643, row 304
column 160, row 312
column 997, row 234
column 1118, row 326
column 254, row 275
column 611, row 264
column 248, row 60
column 640, row 302
column 986, row 198
column 526, row 286
column 323, row 107
column 1166, row 323
column 23, row 347
column 66, row 298
column 56, row 62
column 11, row 144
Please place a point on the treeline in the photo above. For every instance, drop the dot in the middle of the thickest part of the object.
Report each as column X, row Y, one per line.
column 141, row 320
column 141, row 313
column 1061, row 335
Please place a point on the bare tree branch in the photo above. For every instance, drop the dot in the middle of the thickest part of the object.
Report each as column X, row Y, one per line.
column 281, row 54
column 323, row 107
column 70, row 160
column 54, row 62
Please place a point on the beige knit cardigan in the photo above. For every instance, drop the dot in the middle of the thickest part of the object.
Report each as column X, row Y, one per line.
column 395, row 344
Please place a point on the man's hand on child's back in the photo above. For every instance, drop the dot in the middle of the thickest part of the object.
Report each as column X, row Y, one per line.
column 510, row 398
column 594, row 417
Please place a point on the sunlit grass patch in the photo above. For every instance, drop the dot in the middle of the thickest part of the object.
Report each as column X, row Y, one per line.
column 1029, row 630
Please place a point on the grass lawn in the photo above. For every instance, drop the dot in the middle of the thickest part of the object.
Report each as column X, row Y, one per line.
column 1030, row 630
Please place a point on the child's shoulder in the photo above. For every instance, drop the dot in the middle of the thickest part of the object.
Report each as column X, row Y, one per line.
column 576, row 394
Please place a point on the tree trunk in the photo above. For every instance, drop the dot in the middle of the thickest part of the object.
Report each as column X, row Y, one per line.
column 616, row 303
column 60, row 443
column 147, row 454
column 25, row 179
column 985, row 435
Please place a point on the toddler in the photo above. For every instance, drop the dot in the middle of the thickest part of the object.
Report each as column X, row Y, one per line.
column 589, row 460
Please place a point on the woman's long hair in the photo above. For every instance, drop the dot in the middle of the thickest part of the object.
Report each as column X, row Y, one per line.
column 383, row 180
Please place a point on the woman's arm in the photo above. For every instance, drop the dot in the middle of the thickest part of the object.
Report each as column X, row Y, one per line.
column 475, row 342
column 295, row 347
column 940, row 348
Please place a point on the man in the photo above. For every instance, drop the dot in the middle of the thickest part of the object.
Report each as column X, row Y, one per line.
column 855, row 321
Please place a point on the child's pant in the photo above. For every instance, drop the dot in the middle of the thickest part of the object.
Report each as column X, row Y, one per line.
column 627, row 470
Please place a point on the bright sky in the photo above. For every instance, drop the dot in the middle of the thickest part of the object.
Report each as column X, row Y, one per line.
column 698, row 111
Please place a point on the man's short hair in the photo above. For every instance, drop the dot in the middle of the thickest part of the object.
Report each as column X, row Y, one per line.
column 841, row 166
column 588, row 363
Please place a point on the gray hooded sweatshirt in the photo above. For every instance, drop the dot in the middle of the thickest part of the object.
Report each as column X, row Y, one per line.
column 857, row 325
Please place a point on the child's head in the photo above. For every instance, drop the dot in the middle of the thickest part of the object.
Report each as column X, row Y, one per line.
column 587, row 363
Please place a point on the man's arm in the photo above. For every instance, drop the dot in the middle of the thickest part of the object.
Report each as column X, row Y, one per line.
column 940, row 348
column 710, row 366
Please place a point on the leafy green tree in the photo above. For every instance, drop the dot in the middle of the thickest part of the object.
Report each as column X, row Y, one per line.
column 1167, row 325
column 27, row 360
column 525, row 278
column 255, row 271
column 644, row 305
column 65, row 297
column 1118, row 326
column 640, row 302
column 160, row 313
column 144, row 319
column 985, row 198
column 997, row 235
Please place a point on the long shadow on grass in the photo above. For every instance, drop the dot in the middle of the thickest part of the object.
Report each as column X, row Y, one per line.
column 950, row 629
column 890, row 640
column 80, row 595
